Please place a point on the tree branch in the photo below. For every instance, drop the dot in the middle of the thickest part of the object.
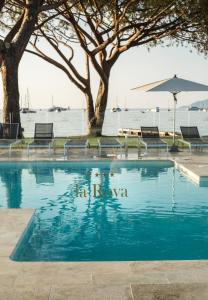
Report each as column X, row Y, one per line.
column 67, row 61
column 14, row 30
column 56, row 64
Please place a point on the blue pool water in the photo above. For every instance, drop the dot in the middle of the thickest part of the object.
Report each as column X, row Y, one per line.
column 106, row 211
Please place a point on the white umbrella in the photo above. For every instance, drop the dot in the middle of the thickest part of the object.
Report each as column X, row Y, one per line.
column 174, row 86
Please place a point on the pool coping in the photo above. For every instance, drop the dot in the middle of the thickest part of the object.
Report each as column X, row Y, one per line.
column 86, row 280
column 83, row 280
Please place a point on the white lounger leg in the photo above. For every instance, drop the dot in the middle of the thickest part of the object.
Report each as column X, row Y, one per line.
column 64, row 150
column 28, row 150
column 121, row 152
column 10, row 150
column 85, row 151
column 49, row 150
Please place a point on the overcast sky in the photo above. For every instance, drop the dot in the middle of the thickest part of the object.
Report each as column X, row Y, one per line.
column 135, row 67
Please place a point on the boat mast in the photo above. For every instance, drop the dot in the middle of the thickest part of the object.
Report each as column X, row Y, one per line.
column 28, row 99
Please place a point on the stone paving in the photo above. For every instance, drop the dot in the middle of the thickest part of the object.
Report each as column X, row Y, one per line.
column 158, row 280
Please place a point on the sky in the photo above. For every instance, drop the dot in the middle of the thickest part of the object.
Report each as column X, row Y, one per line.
column 136, row 67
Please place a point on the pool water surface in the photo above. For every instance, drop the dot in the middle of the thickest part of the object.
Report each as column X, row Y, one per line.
column 106, row 211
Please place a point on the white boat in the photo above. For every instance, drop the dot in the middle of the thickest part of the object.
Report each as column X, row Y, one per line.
column 125, row 107
column 57, row 109
column 26, row 110
column 193, row 108
column 156, row 109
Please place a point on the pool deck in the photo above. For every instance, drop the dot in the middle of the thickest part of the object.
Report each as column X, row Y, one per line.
column 158, row 280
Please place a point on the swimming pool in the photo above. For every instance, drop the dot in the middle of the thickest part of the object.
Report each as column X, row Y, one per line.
column 106, row 211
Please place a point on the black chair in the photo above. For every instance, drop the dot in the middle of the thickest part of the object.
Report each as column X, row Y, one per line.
column 109, row 143
column 76, row 143
column 43, row 137
column 192, row 138
column 150, row 138
column 9, row 135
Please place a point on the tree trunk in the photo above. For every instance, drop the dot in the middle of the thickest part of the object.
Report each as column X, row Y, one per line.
column 90, row 113
column 100, row 107
column 11, row 109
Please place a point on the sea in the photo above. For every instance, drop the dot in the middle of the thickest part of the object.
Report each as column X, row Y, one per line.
column 74, row 122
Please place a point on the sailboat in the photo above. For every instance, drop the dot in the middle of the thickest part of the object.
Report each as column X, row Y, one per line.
column 26, row 109
column 54, row 108
column 125, row 108
column 117, row 108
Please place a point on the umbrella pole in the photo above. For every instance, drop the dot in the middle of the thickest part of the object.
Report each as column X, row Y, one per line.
column 174, row 147
column 174, row 118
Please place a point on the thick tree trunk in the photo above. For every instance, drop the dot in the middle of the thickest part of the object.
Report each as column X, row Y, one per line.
column 9, row 69
column 100, row 107
column 90, row 113
column 11, row 52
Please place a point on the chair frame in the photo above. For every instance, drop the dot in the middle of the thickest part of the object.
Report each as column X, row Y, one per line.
column 76, row 146
column 110, row 146
column 13, row 141
column 153, row 137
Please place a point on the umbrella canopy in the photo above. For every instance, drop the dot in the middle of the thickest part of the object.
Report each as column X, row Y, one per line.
column 173, row 85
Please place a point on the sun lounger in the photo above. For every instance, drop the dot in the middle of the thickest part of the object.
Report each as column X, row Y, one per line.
column 109, row 143
column 192, row 138
column 43, row 137
column 150, row 138
column 76, row 143
column 9, row 135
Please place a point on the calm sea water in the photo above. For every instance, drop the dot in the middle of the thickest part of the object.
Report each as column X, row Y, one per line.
column 98, row 211
column 74, row 122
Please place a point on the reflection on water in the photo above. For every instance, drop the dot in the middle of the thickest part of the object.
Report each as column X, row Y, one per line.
column 12, row 181
column 43, row 175
column 83, row 212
